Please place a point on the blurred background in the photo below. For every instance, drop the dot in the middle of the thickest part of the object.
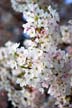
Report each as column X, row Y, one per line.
column 11, row 22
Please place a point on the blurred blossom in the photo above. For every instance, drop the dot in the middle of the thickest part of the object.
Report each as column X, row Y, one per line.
column 39, row 73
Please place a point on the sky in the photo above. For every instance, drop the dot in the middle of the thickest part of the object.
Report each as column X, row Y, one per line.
column 68, row 1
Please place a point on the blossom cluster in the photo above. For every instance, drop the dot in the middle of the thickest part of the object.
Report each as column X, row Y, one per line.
column 39, row 65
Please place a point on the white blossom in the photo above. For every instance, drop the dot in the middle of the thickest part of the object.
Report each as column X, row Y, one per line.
column 39, row 64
